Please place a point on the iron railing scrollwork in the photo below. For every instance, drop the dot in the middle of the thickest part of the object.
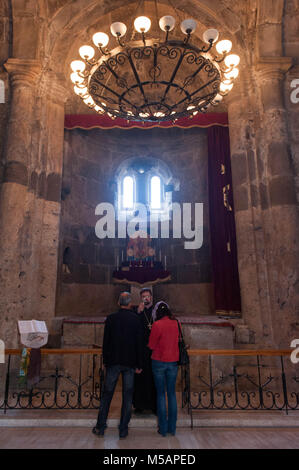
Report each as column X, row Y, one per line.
column 266, row 382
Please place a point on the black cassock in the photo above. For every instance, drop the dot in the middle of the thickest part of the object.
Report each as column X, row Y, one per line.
column 144, row 397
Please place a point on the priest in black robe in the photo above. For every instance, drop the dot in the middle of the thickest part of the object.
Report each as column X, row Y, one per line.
column 144, row 397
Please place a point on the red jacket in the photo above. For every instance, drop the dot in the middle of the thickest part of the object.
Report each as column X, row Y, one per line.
column 164, row 340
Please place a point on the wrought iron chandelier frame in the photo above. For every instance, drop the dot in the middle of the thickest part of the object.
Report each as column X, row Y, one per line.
column 103, row 83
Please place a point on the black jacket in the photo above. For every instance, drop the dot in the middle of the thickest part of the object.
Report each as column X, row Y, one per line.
column 122, row 344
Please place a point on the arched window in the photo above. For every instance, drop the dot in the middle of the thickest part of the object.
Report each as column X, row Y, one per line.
column 146, row 181
column 128, row 193
column 155, row 192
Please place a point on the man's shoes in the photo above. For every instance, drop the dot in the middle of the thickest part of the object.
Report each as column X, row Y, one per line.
column 123, row 435
column 98, row 432
column 138, row 411
column 159, row 432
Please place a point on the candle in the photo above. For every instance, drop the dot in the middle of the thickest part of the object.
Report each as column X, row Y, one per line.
column 160, row 256
column 117, row 262
column 165, row 262
column 122, row 255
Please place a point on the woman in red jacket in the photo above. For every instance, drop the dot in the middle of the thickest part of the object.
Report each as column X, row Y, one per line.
column 163, row 341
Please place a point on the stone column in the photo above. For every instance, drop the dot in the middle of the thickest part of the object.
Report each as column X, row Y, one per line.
column 256, row 316
column 15, row 200
column 54, row 97
column 30, row 200
column 280, row 217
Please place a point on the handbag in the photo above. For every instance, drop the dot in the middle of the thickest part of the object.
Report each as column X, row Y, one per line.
column 183, row 354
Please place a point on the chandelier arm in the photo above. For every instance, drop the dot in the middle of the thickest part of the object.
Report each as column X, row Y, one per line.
column 220, row 59
column 209, row 47
column 106, row 52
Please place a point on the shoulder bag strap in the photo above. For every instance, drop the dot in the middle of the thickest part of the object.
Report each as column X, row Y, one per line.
column 180, row 330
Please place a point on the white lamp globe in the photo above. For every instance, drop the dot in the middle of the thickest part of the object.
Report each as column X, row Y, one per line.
column 167, row 23
column 224, row 88
column 210, row 35
column 188, row 26
column 99, row 109
column 218, row 98
column 89, row 101
column 142, row 24
column 118, row 29
column 232, row 74
column 75, row 78
column 100, row 39
column 86, row 52
column 77, row 66
column 224, row 46
column 232, row 60
column 80, row 91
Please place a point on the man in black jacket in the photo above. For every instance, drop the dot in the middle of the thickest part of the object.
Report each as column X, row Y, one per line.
column 122, row 353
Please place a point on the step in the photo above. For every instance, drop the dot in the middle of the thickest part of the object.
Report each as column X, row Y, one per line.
column 81, row 418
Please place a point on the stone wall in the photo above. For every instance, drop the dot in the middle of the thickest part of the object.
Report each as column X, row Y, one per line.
column 5, row 46
column 91, row 159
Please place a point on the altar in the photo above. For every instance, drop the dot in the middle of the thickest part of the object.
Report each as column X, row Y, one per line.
column 205, row 332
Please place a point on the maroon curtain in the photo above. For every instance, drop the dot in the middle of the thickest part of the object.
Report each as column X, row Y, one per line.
column 222, row 222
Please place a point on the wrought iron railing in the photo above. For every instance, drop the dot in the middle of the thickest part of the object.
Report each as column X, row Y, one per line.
column 264, row 382
column 67, row 384
column 214, row 380
column 73, row 382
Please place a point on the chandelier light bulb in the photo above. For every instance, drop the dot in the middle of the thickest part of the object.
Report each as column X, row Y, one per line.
column 98, row 109
column 100, row 39
column 232, row 74
column 226, row 87
column 232, row 60
column 227, row 81
column 167, row 23
column 188, row 26
column 76, row 79
column 80, row 91
column 77, row 66
column 210, row 35
column 118, row 29
column 86, row 52
column 89, row 101
column 218, row 98
column 224, row 46
column 142, row 24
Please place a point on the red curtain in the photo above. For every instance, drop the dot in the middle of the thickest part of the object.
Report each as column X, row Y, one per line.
column 92, row 121
column 222, row 222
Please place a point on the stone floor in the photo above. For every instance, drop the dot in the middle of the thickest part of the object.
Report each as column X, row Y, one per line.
column 71, row 429
column 199, row 438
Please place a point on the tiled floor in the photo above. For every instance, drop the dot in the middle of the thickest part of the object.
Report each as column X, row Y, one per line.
column 200, row 438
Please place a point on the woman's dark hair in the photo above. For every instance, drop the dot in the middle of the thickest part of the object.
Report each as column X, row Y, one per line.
column 163, row 311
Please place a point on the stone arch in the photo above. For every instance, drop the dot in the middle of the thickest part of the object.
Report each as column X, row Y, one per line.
column 73, row 23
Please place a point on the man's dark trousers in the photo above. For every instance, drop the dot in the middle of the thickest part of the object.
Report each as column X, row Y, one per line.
column 112, row 374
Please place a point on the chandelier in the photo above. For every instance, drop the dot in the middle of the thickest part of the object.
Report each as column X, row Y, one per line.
column 154, row 80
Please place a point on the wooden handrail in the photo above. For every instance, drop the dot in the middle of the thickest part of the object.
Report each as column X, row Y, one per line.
column 191, row 352
column 45, row 352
